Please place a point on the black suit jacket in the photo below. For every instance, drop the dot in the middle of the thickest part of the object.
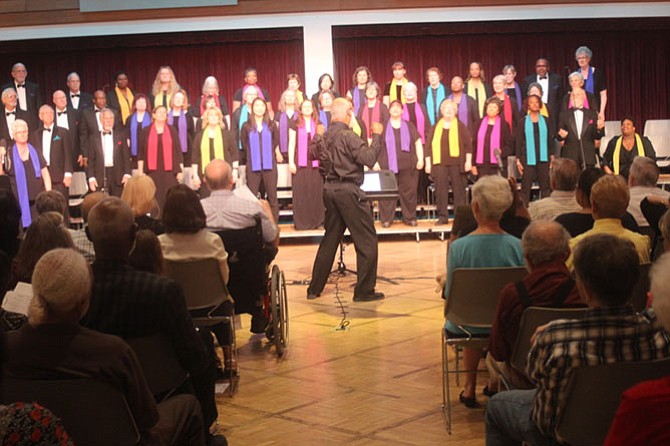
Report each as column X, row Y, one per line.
column 554, row 95
column 85, row 100
column 96, row 158
column 88, row 125
column 582, row 150
column 33, row 96
column 60, row 155
column 73, row 117
column 20, row 114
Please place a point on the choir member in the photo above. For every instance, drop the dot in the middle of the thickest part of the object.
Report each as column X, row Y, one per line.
column 288, row 114
column 434, row 94
column 77, row 99
column 326, row 83
column 579, row 129
column 535, row 89
column 551, row 86
column 308, row 208
column 477, row 88
column 293, row 83
column 109, row 159
column 210, row 92
column 493, row 141
column 467, row 107
column 241, row 115
column 512, row 88
column 28, row 93
column 577, row 83
column 509, row 112
column 534, row 149
column 326, row 99
column 372, row 109
column 164, row 86
column 362, row 76
column 68, row 118
column 138, row 120
column 122, row 97
column 622, row 150
column 393, row 88
column 594, row 79
column 12, row 113
column 251, row 80
column 181, row 119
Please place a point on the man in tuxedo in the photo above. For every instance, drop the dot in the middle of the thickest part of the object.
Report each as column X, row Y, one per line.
column 54, row 143
column 552, row 87
column 109, row 157
column 29, row 97
column 76, row 98
column 578, row 130
column 90, row 123
column 68, row 118
column 11, row 112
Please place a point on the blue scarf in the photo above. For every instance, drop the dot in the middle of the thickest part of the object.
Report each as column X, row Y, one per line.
column 181, row 128
column 517, row 92
column 244, row 117
column 433, row 107
column 146, row 122
column 21, row 183
column 323, row 118
column 266, row 148
column 589, row 82
column 530, row 141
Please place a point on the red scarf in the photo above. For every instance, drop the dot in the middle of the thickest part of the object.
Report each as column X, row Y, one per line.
column 152, row 149
column 376, row 112
column 507, row 111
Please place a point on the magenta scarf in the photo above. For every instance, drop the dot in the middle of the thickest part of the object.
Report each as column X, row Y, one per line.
column 391, row 143
column 420, row 119
column 260, row 145
column 182, row 129
column 495, row 140
column 21, row 182
column 303, row 144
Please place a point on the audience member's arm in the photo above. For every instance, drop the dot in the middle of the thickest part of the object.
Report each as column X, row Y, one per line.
column 222, row 257
column 270, row 229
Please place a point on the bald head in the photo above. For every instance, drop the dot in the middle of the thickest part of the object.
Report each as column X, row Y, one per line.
column 219, row 175
column 111, row 228
column 340, row 110
column 545, row 241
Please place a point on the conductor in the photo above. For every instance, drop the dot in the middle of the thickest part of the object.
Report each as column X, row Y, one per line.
column 342, row 155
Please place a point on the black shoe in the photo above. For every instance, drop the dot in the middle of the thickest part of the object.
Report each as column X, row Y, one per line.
column 470, row 403
column 258, row 323
column 311, row 296
column 216, row 440
column 369, row 297
column 488, row 392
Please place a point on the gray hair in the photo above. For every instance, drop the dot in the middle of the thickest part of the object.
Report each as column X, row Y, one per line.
column 545, row 241
column 105, row 111
column 493, row 195
column 6, row 92
column 643, row 172
column 19, row 123
column 536, row 85
column 660, row 289
column 564, row 174
column 576, row 74
column 209, row 81
column 664, row 226
column 584, row 50
column 74, row 73
column 509, row 67
column 409, row 86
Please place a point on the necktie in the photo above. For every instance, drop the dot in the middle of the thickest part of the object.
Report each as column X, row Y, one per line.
column 97, row 110
column 106, row 133
column 47, row 130
column 543, row 77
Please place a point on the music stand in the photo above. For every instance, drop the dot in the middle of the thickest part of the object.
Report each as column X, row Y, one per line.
column 377, row 185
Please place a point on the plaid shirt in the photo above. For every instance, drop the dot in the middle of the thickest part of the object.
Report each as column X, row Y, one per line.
column 603, row 336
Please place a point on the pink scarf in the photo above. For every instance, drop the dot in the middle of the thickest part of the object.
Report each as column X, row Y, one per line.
column 495, row 140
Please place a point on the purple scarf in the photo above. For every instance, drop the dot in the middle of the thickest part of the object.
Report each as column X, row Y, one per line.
column 420, row 119
column 462, row 108
column 266, row 147
column 181, row 128
column 22, row 184
column 391, row 143
column 283, row 132
column 303, row 143
column 495, row 140
column 146, row 122
column 517, row 91
column 323, row 118
column 356, row 96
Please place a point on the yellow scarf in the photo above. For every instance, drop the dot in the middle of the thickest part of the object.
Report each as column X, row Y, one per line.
column 355, row 126
column 393, row 91
column 482, row 96
column 299, row 97
column 204, row 147
column 124, row 102
column 454, row 142
column 158, row 99
column 617, row 151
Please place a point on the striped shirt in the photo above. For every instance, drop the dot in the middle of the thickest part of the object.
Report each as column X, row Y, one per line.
column 603, row 336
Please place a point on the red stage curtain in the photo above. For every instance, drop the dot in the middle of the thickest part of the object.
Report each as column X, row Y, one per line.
column 192, row 56
column 633, row 53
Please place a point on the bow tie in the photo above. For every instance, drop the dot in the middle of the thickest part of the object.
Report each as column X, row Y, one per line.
column 47, row 130
column 21, row 86
column 62, row 113
column 578, row 108
column 97, row 110
column 10, row 113
column 542, row 77
column 107, row 133
column 74, row 95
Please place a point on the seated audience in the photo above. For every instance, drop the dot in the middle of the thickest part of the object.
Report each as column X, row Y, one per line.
column 79, row 236
column 548, row 284
column 140, row 194
column 563, row 181
column 642, row 417
column 131, row 303
column 581, row 221
column 642, row 181
column 10, row 223
column 618, row 161
column 50, row 201
column 54, row 346
column 147, row 254
column 487, row 246
column 610, row 331
column 609, row 200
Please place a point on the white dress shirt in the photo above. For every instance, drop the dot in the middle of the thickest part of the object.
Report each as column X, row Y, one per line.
column 75, row 99
column 61, row 120
column 46, row 143
column 21, row 96
column 579, row 120
column 108, row 148
column 10, row 118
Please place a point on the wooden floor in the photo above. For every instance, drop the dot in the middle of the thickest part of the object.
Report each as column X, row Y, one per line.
column 378, row 382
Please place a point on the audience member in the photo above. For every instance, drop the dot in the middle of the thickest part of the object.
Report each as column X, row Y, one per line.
column 642, row 183
column 563, row 181
column 50, row 201
column 487, row 246
column 25, row 421
column 131, row 303
column 140, row 194
column 609, row 200
column 147, row 254
column 581, row 221
column 10, row 223
column 54, row 346
column 610, row 331
column 82, row 242
column 548, row 284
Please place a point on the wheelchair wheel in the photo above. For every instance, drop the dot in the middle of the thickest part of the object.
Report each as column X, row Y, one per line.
column 279, row 308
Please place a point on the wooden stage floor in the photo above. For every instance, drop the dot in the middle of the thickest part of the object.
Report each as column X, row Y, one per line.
column 377, row 382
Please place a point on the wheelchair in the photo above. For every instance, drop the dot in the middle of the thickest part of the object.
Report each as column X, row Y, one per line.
column 257, row 286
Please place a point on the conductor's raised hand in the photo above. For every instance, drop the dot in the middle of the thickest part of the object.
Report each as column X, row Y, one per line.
column 320, row 129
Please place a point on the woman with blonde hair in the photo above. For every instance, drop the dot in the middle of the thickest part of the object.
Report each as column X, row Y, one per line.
column 164, row 86
column 140, row 194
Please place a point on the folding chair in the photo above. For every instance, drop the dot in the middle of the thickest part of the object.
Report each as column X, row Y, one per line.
column 658, row 131
column 594, row 393
column 159, row 363
column 612, row 129
column 93, row 412
column 78, row 188
column 205, row 294
column 473, row 299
